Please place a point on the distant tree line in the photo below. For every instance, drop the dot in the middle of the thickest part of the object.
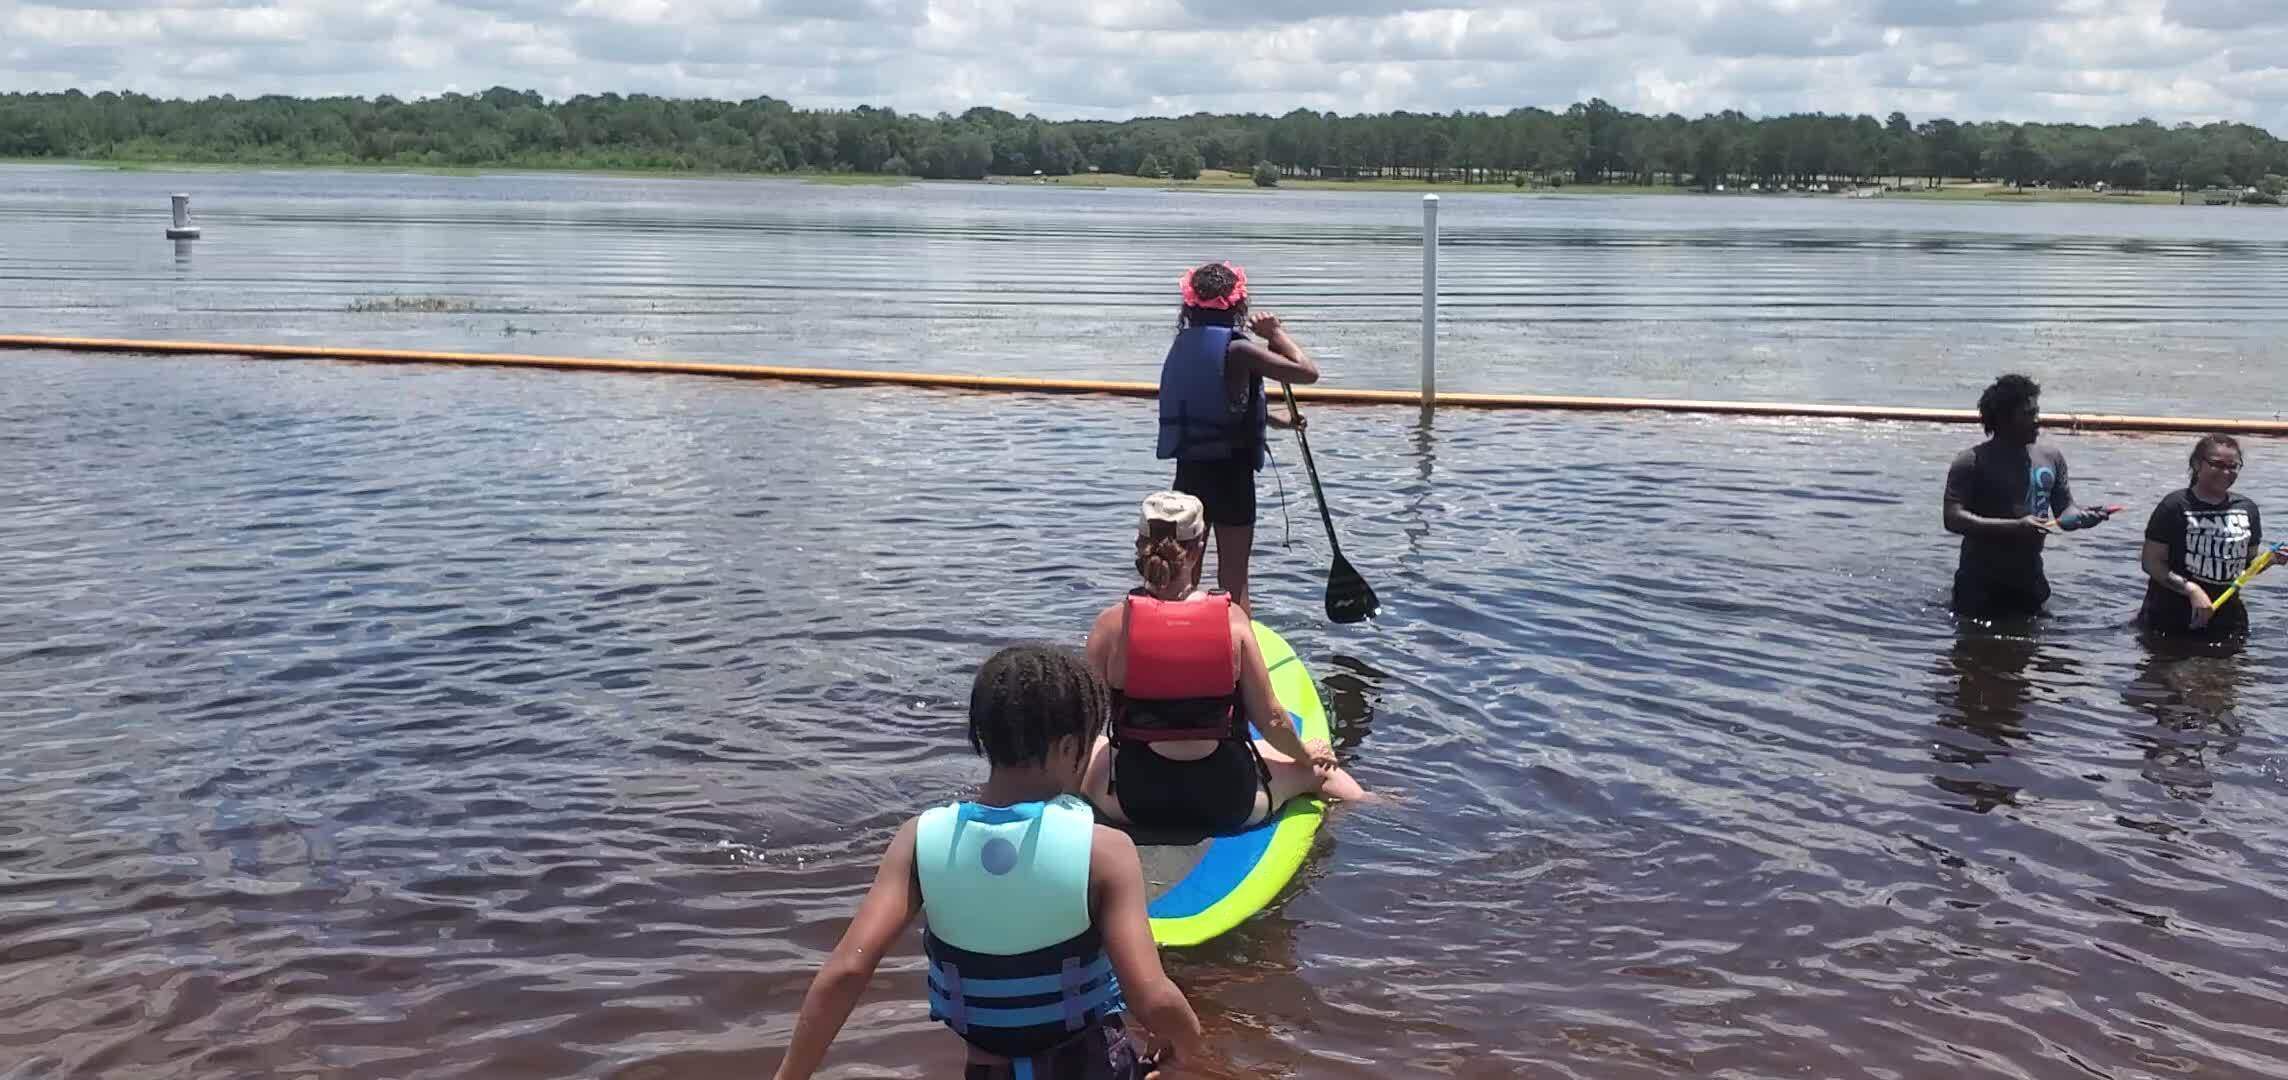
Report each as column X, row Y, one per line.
column 1586, row 143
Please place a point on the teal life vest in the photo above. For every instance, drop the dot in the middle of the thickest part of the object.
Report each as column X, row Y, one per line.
column 1198, row 421
column 1016, row 965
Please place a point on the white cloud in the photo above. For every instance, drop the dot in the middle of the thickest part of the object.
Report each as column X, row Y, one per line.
column 2084, row 60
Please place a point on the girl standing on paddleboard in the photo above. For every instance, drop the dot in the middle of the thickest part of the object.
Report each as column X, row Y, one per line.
column 1187, row 677
column 1035, row 918
column 1214, row 412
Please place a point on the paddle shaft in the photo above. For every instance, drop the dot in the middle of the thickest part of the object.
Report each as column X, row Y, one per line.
column 1318, row 493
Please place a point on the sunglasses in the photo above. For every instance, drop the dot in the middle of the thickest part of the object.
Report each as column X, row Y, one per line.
column 2221, row 466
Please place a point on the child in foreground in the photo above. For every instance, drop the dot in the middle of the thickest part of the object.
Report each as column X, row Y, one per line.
column 1034, row 915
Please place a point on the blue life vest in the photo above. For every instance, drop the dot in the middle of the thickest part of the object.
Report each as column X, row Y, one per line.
column 1197, row 419
column 1016, row 965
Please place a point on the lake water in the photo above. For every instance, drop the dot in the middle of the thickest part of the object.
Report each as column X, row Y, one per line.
column 2175, row 310
column 368, row 721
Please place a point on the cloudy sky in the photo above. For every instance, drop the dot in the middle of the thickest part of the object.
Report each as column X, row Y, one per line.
column 2096, row 60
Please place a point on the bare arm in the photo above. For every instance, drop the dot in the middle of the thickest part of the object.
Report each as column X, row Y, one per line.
column 1274, row 365
column 1279, row 358
column 1127, row 931
column 1101, row 638
column 2155, row 560
column 1262, row 702
column 888, row 910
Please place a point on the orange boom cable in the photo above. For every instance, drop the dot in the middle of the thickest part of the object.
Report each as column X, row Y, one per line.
column 1014, row 384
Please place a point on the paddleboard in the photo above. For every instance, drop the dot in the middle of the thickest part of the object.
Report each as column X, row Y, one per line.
column 1203, row 887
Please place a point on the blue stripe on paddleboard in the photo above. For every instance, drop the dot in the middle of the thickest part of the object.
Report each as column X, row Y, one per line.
column 1227, row 862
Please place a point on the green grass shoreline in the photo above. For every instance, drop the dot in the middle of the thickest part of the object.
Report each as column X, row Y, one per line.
column 1212, row 181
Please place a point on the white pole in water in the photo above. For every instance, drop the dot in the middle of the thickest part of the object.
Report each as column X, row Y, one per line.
column 182, row 229
column 1429, row 300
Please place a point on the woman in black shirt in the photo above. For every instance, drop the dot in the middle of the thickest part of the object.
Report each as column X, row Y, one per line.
column 2198, row 540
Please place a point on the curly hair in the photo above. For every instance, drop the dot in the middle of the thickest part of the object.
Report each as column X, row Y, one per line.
column 1027, row 697
column 2002, row 400
column 1210, row 282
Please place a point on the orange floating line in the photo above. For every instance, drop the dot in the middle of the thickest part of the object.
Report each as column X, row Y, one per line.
column 1018, row 384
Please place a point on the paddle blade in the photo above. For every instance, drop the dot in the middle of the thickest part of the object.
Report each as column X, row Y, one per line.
column 1349, row 598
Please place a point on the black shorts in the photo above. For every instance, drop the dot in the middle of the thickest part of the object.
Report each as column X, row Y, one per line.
column 1213, row 795
column 1225, row 489
column 1103, row 1052
column 1986, row 598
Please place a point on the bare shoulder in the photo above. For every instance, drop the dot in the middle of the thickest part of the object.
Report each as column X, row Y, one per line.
column 1248, row 349
column 1242, row 626
column 1111, row 841
column 904, row 843
column 1111, row 852
column 1102, row 632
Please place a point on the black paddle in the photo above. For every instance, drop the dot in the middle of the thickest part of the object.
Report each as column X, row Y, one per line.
column 1349, row 598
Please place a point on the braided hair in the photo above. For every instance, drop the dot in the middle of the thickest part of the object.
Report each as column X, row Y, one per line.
column 1027, row 697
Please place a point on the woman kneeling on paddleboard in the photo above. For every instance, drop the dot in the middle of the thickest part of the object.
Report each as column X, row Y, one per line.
column 1187, row 678
column 1035, row 917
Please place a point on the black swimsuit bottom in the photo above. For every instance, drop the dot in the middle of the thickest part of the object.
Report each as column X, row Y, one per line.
column 1215, row 794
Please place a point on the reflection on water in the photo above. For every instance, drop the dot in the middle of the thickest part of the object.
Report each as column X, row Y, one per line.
column 2192, row 693
column 1351, row 689
column 1993, row 683
column 1982, row 714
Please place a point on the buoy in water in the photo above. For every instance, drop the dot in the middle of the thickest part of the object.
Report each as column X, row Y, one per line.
column 182, row 229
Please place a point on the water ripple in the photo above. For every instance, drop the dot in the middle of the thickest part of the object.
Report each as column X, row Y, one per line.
column 389, row 722
column 558, row 731
column 1832, row 300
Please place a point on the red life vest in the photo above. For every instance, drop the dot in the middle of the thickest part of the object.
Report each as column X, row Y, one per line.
column 1177, row 676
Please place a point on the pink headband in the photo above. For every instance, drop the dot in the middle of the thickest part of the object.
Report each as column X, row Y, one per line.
column 1225, row 302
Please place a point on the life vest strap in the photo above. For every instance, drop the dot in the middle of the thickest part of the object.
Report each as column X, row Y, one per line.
column 953, row 1007
column 1220, row 718
column 1021, row 1005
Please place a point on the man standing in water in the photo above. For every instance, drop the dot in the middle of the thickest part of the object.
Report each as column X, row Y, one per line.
column 2004, row 497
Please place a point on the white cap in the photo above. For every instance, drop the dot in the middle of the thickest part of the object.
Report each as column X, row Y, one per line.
column 1172, row 511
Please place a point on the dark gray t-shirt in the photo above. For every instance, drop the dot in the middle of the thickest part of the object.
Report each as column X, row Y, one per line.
column 1998, row 481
